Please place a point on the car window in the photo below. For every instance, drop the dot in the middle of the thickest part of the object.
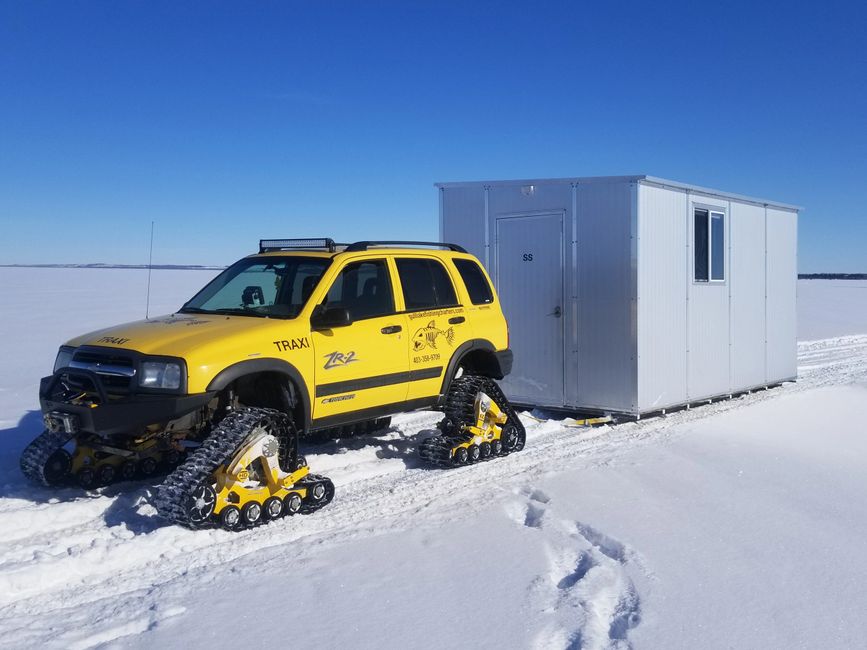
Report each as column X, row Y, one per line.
column 260, row 286
column 475, row 282
column 426, row 284
column 364, row 289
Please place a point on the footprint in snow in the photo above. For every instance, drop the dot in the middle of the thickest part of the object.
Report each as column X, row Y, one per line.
column 586, row 598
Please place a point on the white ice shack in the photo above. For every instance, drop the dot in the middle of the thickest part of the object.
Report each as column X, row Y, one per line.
column 633, row 294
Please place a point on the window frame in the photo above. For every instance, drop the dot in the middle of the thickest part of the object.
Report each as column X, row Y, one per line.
column 711, row 210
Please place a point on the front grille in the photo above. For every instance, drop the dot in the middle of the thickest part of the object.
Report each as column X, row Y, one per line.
column 112, row 383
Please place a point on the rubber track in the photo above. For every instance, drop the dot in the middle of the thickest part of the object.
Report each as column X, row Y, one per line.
column 459, row 409
column 36, row 454
column 311, row 479
column 217, row 449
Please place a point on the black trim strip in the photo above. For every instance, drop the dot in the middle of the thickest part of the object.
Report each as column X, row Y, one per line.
column 350, row 385
column 372, row 413
column 436, row 308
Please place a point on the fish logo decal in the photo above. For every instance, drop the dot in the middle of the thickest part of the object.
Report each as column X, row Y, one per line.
column 427, row 336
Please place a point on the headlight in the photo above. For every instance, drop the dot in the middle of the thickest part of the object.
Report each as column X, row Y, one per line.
column 64, row 356
column 155, row 374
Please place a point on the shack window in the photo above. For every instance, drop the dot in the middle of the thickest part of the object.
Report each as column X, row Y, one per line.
column 709, row 246
column 717, row 246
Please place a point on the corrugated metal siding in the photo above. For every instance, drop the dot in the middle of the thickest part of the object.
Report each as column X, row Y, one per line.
column 463, row 219
column 606, row 292
column 662, row 290
column 782, row 273
column 708, row 317
column 515, row 200
column 747, row 285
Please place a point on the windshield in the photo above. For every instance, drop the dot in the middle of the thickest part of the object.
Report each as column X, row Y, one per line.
column 260, row 286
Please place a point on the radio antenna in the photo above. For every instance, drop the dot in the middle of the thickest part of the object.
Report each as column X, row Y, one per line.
column 150, row 267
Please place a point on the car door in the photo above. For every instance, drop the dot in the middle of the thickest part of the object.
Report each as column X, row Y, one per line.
column 361, row 366
column 437, row 322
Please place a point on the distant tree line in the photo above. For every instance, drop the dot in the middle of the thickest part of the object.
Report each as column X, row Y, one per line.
column 832, row 276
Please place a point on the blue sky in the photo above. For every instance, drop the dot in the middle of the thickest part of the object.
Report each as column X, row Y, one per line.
column 227, row 122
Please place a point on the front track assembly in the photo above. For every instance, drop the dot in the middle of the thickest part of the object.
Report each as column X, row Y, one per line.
column 479, row 424
column 246, row 472
column 92, row 462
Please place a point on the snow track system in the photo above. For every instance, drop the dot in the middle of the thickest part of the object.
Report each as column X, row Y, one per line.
column 246, row 472
column 92, row 463
column 479, row 424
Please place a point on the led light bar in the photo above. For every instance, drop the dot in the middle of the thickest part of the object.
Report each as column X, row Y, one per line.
column 266, row 245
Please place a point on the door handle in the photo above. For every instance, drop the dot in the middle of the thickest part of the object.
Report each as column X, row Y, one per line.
column 391, row 329
column 456, row 320
column 556, row 313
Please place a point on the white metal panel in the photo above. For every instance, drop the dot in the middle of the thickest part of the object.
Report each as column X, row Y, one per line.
column 529, row 278
column 606, row 296
column 708, row 318
column 662, row 292
column 747, row 288
column 515, row 198
column 505, row 200
column 463, row 218
column 782, row 273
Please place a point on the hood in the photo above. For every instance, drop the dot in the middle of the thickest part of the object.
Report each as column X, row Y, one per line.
column 179, row 335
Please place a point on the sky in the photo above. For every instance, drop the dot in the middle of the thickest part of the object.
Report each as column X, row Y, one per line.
column 227, row 122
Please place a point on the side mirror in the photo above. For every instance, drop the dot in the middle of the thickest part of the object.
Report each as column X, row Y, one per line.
column 325, row 319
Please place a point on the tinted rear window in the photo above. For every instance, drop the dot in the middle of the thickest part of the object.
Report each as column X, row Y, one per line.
column 426, row 284
column 475, row 281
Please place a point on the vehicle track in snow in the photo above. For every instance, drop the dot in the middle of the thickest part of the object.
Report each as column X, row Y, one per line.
column 82, row 569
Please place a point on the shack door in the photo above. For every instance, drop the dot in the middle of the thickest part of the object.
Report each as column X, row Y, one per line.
column 529, row 280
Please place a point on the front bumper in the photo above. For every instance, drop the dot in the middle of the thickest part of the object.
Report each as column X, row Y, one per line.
column 106, row 417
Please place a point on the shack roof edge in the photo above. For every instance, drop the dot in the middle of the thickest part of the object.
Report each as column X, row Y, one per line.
column 653, row 180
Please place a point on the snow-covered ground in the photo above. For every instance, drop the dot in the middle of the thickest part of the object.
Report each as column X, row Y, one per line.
column 740, row 524
column 829, row 308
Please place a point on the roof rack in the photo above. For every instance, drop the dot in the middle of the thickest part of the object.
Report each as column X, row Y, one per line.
column 364, row 245
column 325, row 243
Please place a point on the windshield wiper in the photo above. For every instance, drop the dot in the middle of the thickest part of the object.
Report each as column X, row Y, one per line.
column 194, row 310
column 239, row 312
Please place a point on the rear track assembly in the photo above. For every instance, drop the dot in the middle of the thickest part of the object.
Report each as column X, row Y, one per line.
column 479, row 424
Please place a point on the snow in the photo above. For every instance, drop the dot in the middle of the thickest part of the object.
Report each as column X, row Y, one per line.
column 735, row 524
column 828, row 308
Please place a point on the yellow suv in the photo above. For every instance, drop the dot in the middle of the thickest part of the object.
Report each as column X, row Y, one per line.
column 303, row 337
